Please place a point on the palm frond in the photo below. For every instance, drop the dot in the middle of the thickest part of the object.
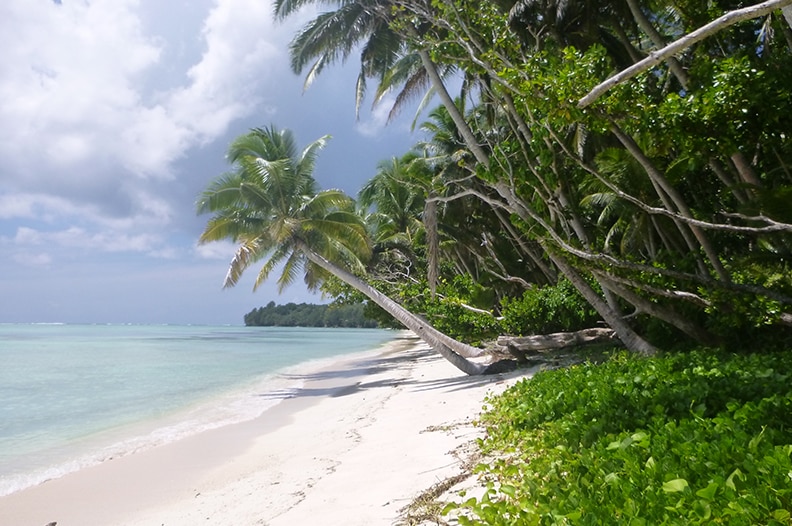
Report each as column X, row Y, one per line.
column 329, row 37
column 245, row 255
column 360, row 92
column 417, row 83
column 291, row 269
column 306, row 163
column 219, row 228
column 274, row 260
column 220, row 194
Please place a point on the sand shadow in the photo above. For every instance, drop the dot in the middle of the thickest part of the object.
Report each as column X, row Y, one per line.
column 361, row 369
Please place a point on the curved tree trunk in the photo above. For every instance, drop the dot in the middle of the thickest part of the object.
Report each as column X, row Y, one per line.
column 663, row 185
column 452, row 350
column 628, row 337
column 659, row 42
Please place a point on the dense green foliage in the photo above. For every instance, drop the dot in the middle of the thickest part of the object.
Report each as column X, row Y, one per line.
column 309, row 315
column 696, row 438
column 666, row 199
column 461, row 306
column 542, row 310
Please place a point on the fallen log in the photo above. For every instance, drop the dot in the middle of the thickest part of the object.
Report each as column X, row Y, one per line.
column 525, row 348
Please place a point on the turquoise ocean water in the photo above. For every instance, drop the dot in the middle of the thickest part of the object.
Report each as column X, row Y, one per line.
column 74, row 395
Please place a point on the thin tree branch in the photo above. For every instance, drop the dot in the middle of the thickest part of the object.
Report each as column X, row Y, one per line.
column 656, row 57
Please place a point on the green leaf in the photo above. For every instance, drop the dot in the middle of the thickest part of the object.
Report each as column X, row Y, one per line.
column 782, row 515
column 508, row 490
column 754, row 443
column 702, row 509
column 451, row 506
column 730, row 481
column 674, row 486
column 708, row 493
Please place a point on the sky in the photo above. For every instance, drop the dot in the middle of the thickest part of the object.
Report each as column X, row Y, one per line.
column 114, row 115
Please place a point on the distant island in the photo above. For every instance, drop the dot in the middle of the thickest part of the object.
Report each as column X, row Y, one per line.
column 309, row 315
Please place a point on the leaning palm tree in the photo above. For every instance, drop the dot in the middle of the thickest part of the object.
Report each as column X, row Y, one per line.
column 270, row 206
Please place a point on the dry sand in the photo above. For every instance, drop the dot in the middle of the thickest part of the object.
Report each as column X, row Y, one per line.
column 354, row 446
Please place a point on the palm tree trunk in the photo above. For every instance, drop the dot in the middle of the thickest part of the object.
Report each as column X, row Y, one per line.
column 626, row 334
column 432, row 243
column 656, row 310
column 659, row 42
column 456, row 115
column 452, row 350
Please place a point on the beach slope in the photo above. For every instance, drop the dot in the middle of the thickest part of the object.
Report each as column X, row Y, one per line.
column 353, row 446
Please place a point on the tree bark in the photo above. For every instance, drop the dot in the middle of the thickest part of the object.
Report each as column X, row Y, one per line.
column 521, row 347
column 661, row 313
column 787, row 12
column 432, row 243
column 659, row 42
column 657, row 177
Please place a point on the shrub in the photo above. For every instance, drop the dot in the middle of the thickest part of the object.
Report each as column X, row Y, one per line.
column 543, row 310
column 691, row 438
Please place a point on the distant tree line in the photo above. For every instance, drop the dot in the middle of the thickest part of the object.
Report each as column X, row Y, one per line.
column 309, row 315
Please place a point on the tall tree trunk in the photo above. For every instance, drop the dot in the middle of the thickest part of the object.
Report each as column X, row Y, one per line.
column 456, row 115
column 655, row 310
column 787, row 29
column 452, row 350
column 628, row 337
column 432, row 243
column 744, row 168
column 787, row 12
column 527, row 249
column 681, row 206
column 721, row 173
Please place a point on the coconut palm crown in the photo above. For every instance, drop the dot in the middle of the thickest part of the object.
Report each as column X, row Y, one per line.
column 269, row 204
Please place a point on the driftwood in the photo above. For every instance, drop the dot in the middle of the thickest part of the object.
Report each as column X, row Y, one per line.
column 525, row 348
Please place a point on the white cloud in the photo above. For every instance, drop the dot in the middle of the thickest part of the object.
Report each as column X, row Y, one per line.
column 29, row 206
column 147, row 211
column 90, row 130
column 218, row 250
column 374, row 123
column 80, row 238
column 78, row 86
column 41, row 259
column 69, row 77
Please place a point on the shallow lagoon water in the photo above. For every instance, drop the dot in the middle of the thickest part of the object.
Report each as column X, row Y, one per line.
column 74, row 395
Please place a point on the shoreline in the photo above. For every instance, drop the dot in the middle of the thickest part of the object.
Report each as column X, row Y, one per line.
column 355, row 443
column 238, row 402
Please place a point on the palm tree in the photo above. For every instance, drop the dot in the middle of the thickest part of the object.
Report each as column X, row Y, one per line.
column 269, row 205
column 397, row 204
column 392, row 208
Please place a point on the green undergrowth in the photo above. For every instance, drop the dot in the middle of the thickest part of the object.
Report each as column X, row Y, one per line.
column 693, row 438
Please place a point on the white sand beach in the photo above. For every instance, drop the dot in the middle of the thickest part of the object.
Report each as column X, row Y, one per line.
column 354, row 446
